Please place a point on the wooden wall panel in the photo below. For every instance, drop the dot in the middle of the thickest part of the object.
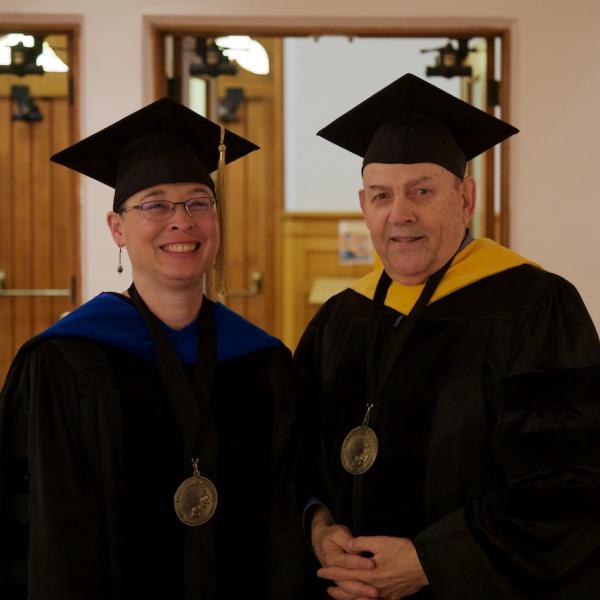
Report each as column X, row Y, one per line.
column 310, row 251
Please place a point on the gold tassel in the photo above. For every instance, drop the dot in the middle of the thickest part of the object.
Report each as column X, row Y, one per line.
column 221, row 166
column 218, row 280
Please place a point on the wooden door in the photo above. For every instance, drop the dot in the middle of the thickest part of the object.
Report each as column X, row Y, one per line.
column 487, row 221
column 254, row 185
column 253, row 188
column 39, row 213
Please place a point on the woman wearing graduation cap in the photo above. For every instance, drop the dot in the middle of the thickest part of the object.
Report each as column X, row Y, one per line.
column 147, row 439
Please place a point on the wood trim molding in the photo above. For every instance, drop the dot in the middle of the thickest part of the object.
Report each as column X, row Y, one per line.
column 39, row 22
column 505, row 96
column 384, row 26
column 320, row 216
column 278, row 183
column 490, row 216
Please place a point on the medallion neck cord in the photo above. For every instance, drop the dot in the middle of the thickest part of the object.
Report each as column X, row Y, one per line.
column 191, row 401
column 360, row 446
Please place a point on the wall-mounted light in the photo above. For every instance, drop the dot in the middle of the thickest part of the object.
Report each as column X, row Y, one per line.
column 246, row 52
column 212, row 60
column 449, row 61
column 27, row 109
column 229, row 105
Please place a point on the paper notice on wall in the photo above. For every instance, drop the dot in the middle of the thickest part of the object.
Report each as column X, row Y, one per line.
column 354, row 243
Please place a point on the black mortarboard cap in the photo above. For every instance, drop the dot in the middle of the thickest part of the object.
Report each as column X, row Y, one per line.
column 413, row 121
column 164, row 142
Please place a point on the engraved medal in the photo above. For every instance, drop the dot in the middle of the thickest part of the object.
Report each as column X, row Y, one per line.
column 359, row 448
column 195, row 499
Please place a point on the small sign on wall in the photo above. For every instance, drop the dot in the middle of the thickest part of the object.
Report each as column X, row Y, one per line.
column 354, row 243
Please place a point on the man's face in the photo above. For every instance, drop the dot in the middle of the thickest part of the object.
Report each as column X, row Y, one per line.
column 417, row 215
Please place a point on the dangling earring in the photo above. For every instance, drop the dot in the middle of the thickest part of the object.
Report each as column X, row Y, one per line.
column 120, row 267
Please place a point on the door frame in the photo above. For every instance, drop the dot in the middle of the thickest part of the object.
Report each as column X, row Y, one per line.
column 155, row 27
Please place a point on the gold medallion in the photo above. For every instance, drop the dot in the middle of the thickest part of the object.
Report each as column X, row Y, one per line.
column 195, row 499
column 359, row 450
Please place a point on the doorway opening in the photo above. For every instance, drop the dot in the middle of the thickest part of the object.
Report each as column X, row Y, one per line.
column 316, row 74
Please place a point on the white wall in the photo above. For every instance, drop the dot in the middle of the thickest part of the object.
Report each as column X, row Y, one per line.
column 555, row 86
column 323, row 79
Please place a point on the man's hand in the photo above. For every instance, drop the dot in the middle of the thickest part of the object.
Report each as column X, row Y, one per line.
column 330, row 541
column 398, row 572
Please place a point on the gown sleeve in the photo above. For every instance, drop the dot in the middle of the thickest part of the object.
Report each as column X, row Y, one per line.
column 52, row 523
column 535, row 532
column 307, row 360
column 288, row 558
column 14, row 520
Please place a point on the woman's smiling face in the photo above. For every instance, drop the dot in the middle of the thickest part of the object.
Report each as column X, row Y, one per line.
column 177, row 250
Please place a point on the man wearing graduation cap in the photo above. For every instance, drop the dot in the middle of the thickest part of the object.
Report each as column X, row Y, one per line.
column 456, row 387
column 148, row 439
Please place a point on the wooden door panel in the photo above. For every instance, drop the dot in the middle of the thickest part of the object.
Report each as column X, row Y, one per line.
column 235, row 218
column 64, row 215
column 260, row 209
column 253, row 185
column 249, row 212
column 39, row 221
column 481, row 168
column 249, row 215
column 6, row 235
column 250, row 204
column 19, row 274
column 40, row 218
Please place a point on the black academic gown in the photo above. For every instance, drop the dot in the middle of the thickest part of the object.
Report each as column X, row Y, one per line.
column 92, row 455
column 489, row 436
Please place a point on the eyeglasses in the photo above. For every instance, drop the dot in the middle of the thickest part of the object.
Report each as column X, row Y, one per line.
column 161, row 210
